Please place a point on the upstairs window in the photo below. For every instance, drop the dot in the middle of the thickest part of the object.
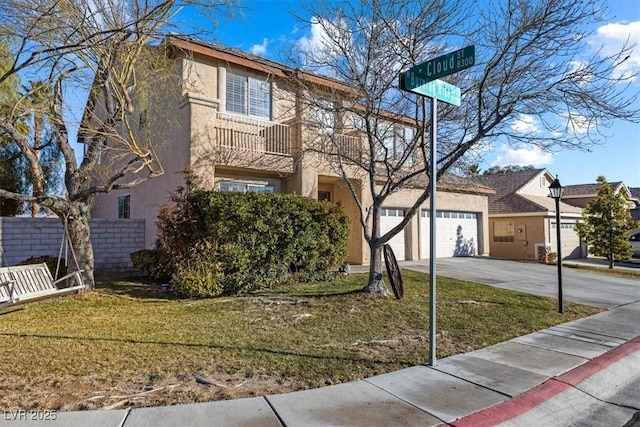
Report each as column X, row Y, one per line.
column 323, row 117
column 396, row 140
column 249, row 96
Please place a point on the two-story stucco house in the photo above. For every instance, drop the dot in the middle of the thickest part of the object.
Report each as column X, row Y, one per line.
column 237, row 124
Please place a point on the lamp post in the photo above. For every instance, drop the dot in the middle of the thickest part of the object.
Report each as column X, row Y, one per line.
column 556, row 190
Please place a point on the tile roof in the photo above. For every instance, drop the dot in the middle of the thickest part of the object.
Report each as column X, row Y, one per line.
column 587, row 189
column 506, row 199
column 456, row 184
column 507, row 183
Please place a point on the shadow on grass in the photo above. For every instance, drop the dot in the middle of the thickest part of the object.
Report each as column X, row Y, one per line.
column 139, row 287
column 214, row 347
column 311, row 293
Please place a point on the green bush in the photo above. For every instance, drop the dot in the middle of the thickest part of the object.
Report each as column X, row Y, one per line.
column 255, row 240
column 152, row 262
column 52, row 263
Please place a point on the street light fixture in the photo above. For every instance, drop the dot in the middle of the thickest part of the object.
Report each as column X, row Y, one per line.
column 557, row 191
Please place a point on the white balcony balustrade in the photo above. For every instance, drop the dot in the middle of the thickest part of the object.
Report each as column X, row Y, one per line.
column 252, row 135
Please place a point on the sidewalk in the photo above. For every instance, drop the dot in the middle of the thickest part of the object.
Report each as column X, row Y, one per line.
column 584, row 372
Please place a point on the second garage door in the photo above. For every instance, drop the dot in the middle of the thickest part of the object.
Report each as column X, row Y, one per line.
column 571, row 244
column 456, row 234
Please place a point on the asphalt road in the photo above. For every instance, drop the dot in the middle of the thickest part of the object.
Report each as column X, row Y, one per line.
column 578, row 285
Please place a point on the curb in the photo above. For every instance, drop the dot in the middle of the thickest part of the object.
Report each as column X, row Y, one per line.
column 551, row 388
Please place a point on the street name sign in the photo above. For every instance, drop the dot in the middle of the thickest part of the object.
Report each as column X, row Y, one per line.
column 422, row 80
column 446, row 64
column 438, row 89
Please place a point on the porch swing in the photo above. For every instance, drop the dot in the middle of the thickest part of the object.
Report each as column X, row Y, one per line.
column 25, row 283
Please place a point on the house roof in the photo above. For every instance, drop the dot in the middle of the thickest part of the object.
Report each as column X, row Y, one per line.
column 454, row 184
column 451, row 182
column 581, row 190
column 508, row 197
column 250, row 61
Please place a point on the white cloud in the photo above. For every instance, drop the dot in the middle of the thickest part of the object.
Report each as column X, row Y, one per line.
column 260, row 49
column 576, row 123
column 613, row 36
column 523, row 156
column 315, row 40
column 525, row 123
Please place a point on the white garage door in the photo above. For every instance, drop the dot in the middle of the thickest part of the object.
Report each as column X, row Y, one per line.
column 456, row 234
column 569, row 238
column 389, row 218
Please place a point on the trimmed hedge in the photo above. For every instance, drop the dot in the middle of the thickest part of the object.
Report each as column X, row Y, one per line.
column 227, row 243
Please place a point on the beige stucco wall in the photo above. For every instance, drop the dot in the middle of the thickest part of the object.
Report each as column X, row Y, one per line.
column 171, row 144
column 357, row 249
column 523, row 247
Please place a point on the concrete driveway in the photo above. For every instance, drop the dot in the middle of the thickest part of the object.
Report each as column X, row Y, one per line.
column 578, row 285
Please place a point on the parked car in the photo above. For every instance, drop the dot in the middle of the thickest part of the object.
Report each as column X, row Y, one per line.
column 634, row 239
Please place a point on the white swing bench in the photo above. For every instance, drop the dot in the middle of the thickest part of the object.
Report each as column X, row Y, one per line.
column 26, row 283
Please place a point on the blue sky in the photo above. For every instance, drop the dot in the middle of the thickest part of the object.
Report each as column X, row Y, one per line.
column 266, row 27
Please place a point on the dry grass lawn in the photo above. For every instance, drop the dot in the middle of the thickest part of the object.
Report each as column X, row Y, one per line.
column 129, row 345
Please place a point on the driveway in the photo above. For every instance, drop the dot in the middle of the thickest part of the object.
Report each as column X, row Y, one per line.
column 577, row 285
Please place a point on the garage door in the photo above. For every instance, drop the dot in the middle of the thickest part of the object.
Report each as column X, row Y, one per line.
column 456, row 234
column 569, row 238
column 389, row 218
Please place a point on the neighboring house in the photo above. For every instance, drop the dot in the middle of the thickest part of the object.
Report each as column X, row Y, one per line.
column 522, row 217
column 239, row 127
column 581, row 194
column 635, row 198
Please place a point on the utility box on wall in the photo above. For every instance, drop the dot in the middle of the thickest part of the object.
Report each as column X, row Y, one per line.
column 521, row 231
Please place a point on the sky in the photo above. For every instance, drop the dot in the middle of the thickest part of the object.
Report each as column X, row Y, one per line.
column 266, row 27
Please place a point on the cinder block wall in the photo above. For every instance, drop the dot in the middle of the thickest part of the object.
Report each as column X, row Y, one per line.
column 113, row 240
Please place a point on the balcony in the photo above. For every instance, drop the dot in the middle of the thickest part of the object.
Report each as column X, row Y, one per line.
column 331, row 146
column 252, row 135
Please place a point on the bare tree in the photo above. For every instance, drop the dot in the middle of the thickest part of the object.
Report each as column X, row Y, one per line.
column 529, row 63
column 110, row 51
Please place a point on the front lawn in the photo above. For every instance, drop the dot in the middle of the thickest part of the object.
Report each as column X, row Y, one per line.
column 129, row 344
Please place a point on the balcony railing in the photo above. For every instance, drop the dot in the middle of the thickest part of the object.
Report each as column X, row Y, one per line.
column 345, row 146
column 253, row 135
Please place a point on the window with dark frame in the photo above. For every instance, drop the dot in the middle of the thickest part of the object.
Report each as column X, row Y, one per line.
column 124, row 206
column 324, row 195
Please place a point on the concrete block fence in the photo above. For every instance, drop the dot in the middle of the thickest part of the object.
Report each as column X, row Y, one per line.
column 113, row 240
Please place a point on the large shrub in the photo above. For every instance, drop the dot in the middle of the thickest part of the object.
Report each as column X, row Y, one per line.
column 153, row 262
column 249, row 240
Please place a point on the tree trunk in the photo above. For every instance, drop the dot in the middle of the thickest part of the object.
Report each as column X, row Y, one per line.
column 376, row 285
column 80, row 240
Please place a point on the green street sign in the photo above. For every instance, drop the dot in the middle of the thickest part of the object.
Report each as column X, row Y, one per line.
column 449, row 63
column 436, row 89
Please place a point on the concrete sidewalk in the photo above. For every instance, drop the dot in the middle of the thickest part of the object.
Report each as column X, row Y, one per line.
column 532, row 379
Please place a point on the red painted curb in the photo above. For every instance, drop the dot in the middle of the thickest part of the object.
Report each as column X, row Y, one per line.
column 582, row 372
column 512, row 408
column 530, row 399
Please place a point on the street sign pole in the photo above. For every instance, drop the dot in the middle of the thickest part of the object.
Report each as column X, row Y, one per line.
column 432, row 234
column 422, row 80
